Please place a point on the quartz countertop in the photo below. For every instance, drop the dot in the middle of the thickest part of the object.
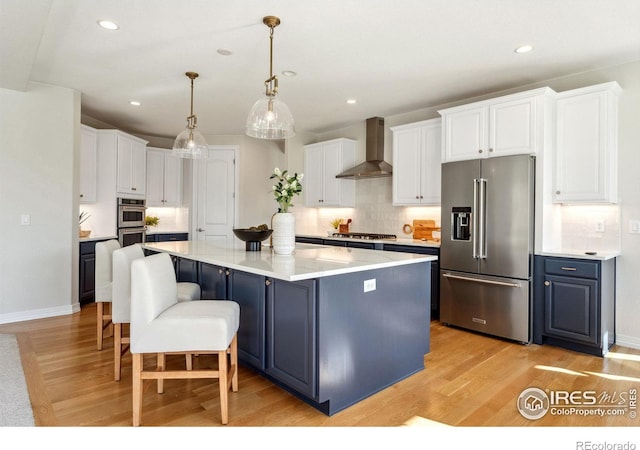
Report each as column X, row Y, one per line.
column 578, row 254
column 307, row 261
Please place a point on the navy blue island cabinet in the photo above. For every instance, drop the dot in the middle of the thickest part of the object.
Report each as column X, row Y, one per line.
column 328, row 340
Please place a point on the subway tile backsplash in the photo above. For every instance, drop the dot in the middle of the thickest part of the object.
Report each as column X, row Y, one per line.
column 373, row 213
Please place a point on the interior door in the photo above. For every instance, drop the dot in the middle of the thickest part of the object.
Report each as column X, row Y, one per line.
column 215, row 192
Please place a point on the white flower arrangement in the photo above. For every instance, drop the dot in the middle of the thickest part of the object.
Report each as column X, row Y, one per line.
column 286, row 188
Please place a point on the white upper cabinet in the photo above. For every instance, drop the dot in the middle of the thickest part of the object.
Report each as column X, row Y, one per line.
column 508, row 125
column 88, row 164
column 586, row 162
column 164, row 178
column 322, row 162
column 132, row 165
column 416, row 163
column 123, row 163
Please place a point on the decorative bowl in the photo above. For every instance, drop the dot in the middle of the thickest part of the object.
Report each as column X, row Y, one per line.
column 252, row 238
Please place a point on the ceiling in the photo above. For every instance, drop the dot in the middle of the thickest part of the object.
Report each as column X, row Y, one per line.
column 392, row 57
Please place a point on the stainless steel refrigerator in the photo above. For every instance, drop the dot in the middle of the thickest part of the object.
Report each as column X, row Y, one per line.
column 486, row 253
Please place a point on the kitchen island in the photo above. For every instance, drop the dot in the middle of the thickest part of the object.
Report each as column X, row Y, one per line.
column 331, row 325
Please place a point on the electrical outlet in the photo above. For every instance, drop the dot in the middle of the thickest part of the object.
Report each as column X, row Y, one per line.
column 25, row 219
column 634, row 226
column 600, row 226
column 370, row 285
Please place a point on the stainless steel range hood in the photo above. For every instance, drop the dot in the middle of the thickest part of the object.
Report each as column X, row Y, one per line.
column 375, row 165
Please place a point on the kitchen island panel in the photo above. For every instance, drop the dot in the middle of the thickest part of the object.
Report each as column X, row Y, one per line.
column 371, row 340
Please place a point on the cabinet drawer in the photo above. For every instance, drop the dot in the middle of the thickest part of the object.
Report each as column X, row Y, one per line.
column 571, row 267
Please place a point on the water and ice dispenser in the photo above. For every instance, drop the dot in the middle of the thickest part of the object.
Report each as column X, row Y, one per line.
column 461, row 223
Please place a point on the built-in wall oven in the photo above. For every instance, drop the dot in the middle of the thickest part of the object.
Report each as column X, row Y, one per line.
column 131, row 221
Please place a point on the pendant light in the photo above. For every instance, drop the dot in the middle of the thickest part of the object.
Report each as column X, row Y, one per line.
column 270, row 118
column 190, row 143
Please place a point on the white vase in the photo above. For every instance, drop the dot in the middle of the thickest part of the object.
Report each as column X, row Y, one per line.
column 283, row 237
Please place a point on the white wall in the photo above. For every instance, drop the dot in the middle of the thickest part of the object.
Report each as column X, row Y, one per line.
column 39, row 164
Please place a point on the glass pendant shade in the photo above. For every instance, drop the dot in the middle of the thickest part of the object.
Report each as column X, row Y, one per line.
column 270, row 119
column 190, row 144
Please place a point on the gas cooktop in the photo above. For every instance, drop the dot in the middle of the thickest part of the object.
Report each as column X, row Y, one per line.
column 371, row 236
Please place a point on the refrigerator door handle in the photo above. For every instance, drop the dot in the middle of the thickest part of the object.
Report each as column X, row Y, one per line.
column 480, row 280
column 474, row 223
column 482, row 212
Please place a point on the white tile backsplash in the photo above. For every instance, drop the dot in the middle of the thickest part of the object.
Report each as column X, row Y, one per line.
column 579, row 227
column 373, row 213
column 170, row 219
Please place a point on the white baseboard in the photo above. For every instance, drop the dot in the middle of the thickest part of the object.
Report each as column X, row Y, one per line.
column 22, row 316
column 628, row 341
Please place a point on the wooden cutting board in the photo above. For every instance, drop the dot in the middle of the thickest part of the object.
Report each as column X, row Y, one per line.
column 423, row 229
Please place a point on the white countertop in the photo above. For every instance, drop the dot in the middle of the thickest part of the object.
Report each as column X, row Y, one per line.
column 308, row 260
column 97, row 238
column 398, row 241
column 568, row 253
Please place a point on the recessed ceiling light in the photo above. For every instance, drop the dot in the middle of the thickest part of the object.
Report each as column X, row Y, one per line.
column 289, row 73
column 224, row 52
column 352, row 101
column 135, row 103
column 108, row 25
column 524, row 49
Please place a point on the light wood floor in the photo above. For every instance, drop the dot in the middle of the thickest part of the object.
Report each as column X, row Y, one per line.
column 469, row 380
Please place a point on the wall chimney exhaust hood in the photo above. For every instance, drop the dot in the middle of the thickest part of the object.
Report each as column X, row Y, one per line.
column 375, row 165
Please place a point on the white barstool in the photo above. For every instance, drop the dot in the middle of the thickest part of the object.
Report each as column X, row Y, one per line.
column 103, row 283
column 121, row 304
column 160, row 324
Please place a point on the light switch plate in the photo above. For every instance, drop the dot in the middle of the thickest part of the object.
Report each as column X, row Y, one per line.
column 634, row 226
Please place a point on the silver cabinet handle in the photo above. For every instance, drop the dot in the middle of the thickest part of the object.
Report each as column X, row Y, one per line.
column 200, row 230
column 571, row 269
column 220, row 271
column 557, row 192
column 268, row 282
column 547, row 283
column 490, row 150
column 480, row 151
column 133, row 189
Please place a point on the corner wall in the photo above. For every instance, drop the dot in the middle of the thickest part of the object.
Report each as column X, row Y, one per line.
column 39, row 164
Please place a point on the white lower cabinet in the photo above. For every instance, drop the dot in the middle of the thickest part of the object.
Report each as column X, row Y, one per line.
column 164, row 178
column 88, row 164
column 416, row 163
column 585, row 165
column 322, row 162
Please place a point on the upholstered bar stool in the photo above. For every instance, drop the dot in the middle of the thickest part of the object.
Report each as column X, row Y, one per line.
column 160, row 324
column 121, row 305
column 103, row 280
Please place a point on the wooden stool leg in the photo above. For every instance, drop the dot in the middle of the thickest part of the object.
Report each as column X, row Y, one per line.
column 99, row 322
column 224, row 386
column 117, row 350
column 161, row 367
column 137, row 388
column 234, row 363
